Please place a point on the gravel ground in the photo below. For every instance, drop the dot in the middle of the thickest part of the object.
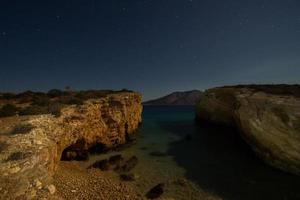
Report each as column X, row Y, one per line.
column 75, row 182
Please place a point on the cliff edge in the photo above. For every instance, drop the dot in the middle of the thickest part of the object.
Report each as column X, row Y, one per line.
column 268, row 119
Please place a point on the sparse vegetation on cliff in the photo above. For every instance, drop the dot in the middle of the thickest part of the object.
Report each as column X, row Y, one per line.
column 278, row 89
column 21, row 129
column 38, row 103
column 8, row 110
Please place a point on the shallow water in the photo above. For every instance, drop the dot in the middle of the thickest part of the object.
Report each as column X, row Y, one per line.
column 201, row 162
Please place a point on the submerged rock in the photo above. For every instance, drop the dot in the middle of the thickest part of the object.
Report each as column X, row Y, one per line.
column 101, row 164
column 268, row 118
column 116, row 159
column 156, row 191
column 128, row 177
column 128, row 165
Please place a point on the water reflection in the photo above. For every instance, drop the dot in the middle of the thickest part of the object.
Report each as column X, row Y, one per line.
column 220, row 162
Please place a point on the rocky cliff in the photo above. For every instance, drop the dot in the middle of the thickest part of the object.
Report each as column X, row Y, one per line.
column 32, row 146
column 268, row 118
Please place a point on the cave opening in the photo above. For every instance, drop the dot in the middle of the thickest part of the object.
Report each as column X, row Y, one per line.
column 75, row 151
column 127, row 137
column 97, row 148
column 80, row 151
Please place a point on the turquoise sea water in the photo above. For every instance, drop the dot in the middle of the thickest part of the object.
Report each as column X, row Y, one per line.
column 201, row 162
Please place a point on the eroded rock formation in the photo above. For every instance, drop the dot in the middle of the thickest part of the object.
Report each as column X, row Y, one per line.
column 268, row 120
column 29, row 156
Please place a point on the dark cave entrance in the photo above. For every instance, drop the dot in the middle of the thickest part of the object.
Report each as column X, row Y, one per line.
column 80, row 150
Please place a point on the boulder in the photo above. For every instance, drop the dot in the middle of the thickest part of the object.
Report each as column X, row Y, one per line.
column 156, row 191
column 267, row 117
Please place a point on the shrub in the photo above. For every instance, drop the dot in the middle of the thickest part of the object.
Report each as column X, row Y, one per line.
column 115, row 103
column 7, row 96
column 279, row 112
column 34, row 110
column 17, row 156
column 8, row 110
column 3, row 146
column 55, row 108
column 21, row 129
column 41, row 101
column 81, row 95
column 296, row 124
column 55, row 93
column 69, row 100
column 125, row 90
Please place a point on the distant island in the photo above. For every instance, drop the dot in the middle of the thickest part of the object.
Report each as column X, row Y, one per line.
column 177, row 98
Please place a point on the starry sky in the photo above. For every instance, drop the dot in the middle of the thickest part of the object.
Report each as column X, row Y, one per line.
column 152, row 46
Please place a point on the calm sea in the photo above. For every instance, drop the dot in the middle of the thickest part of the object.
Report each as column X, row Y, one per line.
column 201, row 162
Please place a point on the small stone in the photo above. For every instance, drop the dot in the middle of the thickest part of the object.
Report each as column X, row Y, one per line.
column 38, row 184
column 38, row 142
column 14, row 170
column 73, row 191
column 32, row 194
column 51, row 189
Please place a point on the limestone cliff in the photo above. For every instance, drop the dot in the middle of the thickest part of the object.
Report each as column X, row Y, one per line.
column 268, row 121
column 32, row 146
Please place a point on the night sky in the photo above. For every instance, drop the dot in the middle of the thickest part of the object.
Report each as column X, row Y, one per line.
column 152, row 46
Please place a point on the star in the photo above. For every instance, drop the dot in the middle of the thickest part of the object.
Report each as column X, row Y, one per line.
column 4, row 33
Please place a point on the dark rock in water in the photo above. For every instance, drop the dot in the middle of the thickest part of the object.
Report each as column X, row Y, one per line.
column 129, row 164
column 101, row 164
column 143, row 148
column 157, row 153
column 128, row 177
column 116, row 159
column 188, row 137
column 156, row 191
